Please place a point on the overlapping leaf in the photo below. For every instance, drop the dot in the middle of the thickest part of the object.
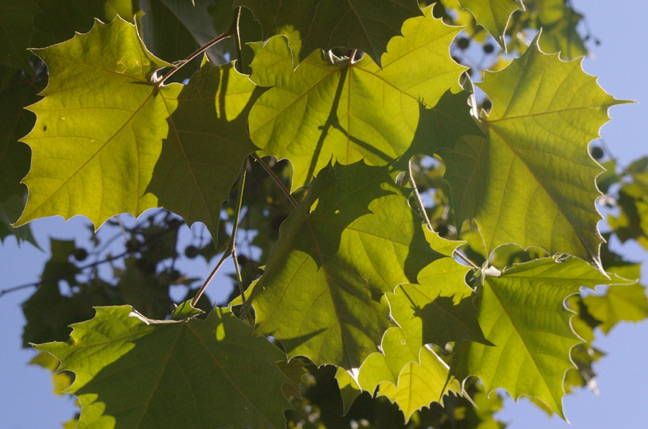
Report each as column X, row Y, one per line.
column 349, row 110
column 632, row 220
column 559, row 21
column 523, row 314
column 99, row 129
column 207, row 143
column 407, row 372
column 420, row 384
column 620, row 303
column 173, row 29
column 493, row 15
column 530, row 180
column 199, row 373
column 366, row 25
column 48, row 312
column 353, row 238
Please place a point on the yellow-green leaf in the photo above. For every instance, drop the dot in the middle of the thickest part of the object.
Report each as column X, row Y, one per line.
column 207, row 143
column 353, row 238
column 348, row 111
column 356, row 24
column 134, row 372
column 99, row 129
column 523, row 314
column 529, row 179
column 493, row 15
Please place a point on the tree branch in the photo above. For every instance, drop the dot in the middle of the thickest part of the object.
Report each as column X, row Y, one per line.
column 231, row 247
column 178, row 65
column 276, row 179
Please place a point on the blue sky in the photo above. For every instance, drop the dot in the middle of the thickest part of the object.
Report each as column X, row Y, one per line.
column 26, row 400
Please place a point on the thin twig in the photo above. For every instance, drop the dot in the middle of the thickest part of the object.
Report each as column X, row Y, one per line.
column 237, row 213
column 237, row 33
column 230, row 250
column 79, row 270
column 419, row 201
column 195, row 299
column 465, row 259
column 276, row 179
column 178, row 65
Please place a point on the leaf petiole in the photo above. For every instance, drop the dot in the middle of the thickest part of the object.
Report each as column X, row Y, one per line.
column 231, row 247
column 233, row 29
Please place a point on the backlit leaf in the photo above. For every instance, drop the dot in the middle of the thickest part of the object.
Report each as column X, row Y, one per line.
column 206, row 146
column 366, row 25
column 493, row 15
column 619, row 303
column 530, row 179
column 352, row 239
column 407, row 372
column 199, row 373
column 523, row 314
column 559, row 21
column 99, row 129
column 349, row 110
column 420, row 384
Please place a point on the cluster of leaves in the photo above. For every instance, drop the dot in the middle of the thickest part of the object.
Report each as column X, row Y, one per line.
column 349, row 141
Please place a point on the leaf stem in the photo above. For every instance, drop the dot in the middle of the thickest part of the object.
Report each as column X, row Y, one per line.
column 237, row 212
column 237, row 34
column 421, row 209
column 465, row 259
column 276, row 179
column 230, row 250
column 179, row 64
column 419, row 201
column 225, row 255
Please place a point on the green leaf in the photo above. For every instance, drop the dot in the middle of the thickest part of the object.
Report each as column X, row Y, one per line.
column 420, row 384
column 60, row 380
column 207, row 143
column 349, row 111
column 99, row 129
column 143, row 290
column 530, row 180
column 407, row 372
column 16, row 30
column 173, row 29
column 48, row 312
column 353, row 238
column 200, row 373
column 493, row 15
column 349, row 389
column 185, row 311
column 367, row 25
column 626, row 303
column 559, row 22
column 523, row 314
column 435, row 319
column 632, row 220
column 440, row 127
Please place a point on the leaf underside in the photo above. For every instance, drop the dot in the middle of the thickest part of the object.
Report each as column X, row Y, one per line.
column 199, row 373
column 349, row 111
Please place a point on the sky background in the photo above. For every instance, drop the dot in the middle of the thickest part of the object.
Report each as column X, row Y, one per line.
column 26, row 400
